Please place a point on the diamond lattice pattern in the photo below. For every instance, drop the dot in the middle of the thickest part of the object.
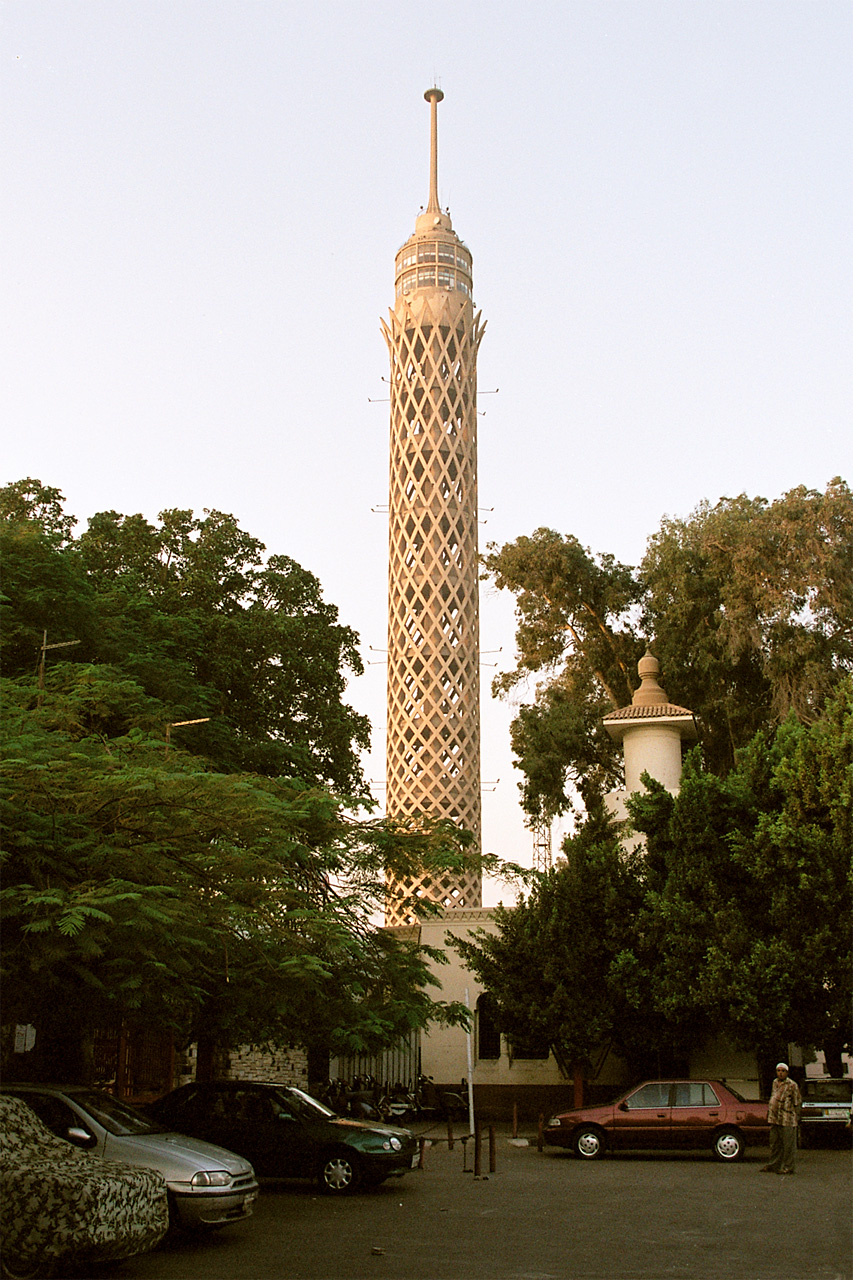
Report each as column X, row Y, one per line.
column 433, row 735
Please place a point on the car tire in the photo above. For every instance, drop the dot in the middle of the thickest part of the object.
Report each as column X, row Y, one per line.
column 11, row 1269
column 728, row 1146
column 340, row 1173
column 590, row 1143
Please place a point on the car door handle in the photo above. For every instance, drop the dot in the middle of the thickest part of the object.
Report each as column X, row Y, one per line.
column 662, row 1115
column 713, row 1113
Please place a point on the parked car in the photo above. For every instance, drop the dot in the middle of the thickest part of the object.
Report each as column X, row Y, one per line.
column 826, row 1109
column 665, row 1114
column 288, row 1134
column 62, row 1205
column 208, row 1186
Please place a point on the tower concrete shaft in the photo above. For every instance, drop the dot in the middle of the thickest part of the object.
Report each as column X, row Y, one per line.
column 433, row 734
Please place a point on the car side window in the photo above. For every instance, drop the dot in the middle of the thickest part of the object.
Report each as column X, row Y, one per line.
column 183, row 1103
column 54, row 1113
column 279, row 1110
column 651, row 1095
column 695, row 1094
column 190, row 1107
column 251, row 1107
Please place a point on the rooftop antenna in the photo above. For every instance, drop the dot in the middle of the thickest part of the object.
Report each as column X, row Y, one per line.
column 433, row 97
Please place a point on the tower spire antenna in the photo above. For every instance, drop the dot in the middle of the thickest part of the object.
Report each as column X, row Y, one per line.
column 433, row 96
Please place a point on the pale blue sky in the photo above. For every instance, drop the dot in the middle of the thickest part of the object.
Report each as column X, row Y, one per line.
column 202, row 201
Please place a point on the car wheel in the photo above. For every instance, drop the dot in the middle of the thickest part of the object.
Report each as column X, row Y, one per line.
column 590, row 1143
column 728, row 1145
column 339, row 1173
column 11, row 1269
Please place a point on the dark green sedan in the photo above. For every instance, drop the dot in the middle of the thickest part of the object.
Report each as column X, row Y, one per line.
column 285, row 1133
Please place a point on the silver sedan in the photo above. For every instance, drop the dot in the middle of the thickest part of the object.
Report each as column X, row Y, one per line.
column 208, row 1186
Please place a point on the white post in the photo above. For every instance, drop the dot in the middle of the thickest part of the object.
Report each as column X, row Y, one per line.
column 470, row 1070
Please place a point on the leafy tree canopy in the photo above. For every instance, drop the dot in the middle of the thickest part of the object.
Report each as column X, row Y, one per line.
column 194, row 613
column 225, row 886
column 734, row 920
column 748, row 606
column 233, row 905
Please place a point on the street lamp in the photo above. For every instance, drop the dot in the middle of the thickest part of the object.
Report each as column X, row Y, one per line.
column 174, row 724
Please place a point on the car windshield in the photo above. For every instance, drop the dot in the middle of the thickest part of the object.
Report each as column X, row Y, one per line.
column 306, row 1106
column 828, row 1090
column 117, row 1117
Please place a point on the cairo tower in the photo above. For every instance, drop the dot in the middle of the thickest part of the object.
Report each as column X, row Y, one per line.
column 433, row 733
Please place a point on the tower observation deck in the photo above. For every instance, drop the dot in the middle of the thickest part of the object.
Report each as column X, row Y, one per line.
column 433, row 734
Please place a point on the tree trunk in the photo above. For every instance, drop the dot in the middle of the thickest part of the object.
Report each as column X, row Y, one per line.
column 833, row 1046
column 205, row 1058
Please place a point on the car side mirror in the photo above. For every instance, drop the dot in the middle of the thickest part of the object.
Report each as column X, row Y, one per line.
column 81, row 1138
column 623, row 1106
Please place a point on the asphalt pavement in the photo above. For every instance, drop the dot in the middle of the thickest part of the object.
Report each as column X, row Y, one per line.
column 540, row 1216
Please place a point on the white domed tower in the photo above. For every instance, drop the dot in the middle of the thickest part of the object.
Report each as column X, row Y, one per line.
column 651, row 731
column 433, row 733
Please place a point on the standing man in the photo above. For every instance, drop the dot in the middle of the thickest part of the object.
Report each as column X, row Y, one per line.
column 783, row 1116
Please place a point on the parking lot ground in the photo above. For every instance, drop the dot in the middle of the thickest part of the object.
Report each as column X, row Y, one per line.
column 628, row 1217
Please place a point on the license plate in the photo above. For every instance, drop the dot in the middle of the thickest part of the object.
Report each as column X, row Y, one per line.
column 415, row 1158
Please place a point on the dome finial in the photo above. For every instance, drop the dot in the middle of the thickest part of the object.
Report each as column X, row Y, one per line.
column 433, row 96
column 650, row 692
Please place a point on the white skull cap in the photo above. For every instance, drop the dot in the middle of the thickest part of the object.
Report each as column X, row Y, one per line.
column 781, row 1066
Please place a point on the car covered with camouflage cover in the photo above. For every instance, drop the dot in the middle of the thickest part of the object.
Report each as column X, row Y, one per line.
column 61, row 1204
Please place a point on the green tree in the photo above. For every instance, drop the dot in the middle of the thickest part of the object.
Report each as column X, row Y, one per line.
column 228, row 888
column 754, row 903
column 232, row 906
column 195, row 613
column 574, row 625
column 570, row 964
column 734, row 919
column 748, row 605
column 30, row 503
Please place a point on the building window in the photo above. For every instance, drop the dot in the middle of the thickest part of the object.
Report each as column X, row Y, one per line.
column 531, row 1047
column 488, row 1032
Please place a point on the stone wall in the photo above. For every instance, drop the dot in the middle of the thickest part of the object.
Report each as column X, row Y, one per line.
column 270, row 1065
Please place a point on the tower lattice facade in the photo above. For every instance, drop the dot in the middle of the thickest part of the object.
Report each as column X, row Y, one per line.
column 433, row 734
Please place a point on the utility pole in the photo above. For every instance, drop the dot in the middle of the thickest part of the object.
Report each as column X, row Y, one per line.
column 61, row 644
column 175, row 724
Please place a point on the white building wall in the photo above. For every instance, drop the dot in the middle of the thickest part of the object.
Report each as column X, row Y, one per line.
column 654, row 749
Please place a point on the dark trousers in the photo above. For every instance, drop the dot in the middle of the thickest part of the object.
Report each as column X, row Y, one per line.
column 783, row 1146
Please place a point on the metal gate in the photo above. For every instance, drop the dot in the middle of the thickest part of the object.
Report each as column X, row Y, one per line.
column 398, row 1064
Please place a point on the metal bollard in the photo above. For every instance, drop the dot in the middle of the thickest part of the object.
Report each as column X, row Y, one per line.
column 540, row 1139
column 421, row 1149
column 449, row 1134
column 515, row 1119
column 477, row 1146
column 493, row 1149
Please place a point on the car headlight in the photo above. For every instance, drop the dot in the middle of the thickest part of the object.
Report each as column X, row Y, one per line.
column 391, row 1144
column 211, row 1178
column 554, row 1122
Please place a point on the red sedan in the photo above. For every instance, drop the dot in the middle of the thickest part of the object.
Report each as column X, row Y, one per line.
column 665, row 1114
